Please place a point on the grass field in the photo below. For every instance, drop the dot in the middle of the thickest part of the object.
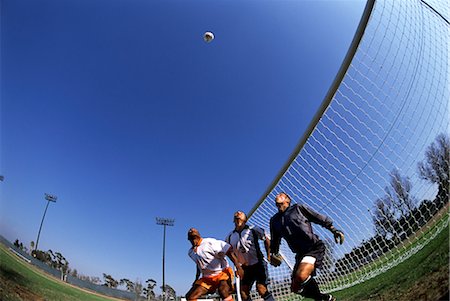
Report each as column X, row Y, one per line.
column 20, row 281
column 424, row 276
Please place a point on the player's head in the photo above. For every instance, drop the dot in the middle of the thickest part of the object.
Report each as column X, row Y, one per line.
column 193, row 236
column 193, row 233
column 239, row 219
column 282, row 201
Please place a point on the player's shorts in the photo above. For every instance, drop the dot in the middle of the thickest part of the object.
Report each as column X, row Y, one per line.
column 256, row 272
column 212, row 283
column 314, row 256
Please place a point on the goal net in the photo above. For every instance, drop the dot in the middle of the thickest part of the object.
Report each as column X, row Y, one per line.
column 375, row 158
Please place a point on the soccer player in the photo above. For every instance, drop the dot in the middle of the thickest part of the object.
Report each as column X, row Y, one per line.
column 210, row 256
column 244, row 240
column 293, row 223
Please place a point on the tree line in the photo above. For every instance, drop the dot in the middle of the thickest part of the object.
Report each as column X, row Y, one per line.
column 397, row 214
column 138, row 288
column 57, row 261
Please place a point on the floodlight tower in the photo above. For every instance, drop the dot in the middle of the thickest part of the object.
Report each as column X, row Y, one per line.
column 164, row 222
column 49, row 198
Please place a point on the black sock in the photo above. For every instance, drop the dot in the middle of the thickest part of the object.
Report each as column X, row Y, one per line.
column 311, row 290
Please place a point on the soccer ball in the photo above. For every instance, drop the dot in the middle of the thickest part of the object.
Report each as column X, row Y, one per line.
column 208, row 36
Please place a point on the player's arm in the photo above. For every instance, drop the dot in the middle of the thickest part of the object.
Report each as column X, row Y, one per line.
column 262, row 235
column 275, row 238
column 274, row 245
column 230, row 254
column 267, row 247
column 314, row 216
column 322, row 220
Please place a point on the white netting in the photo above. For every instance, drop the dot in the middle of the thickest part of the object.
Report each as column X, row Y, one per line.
column 359, row 164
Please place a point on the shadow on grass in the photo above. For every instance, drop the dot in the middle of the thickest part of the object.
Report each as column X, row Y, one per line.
column 445, row 297
column 13, row 286
column 10, row 275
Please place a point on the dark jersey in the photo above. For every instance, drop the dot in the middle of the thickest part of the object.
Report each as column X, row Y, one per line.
column 294, row 225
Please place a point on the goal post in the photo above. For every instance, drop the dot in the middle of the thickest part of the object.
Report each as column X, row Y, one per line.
column 375, row 156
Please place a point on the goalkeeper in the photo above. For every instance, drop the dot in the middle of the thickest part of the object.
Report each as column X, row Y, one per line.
column 293, row 223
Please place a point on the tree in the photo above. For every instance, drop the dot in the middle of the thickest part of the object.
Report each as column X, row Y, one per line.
column 19, row 245
column 52, row 261
column 400, row 193
column 397, row 203
column 129, row 284
column 61, row 264
column 384, row 217
column 133, row 287
column 42, row 256
column 148, row 291
column 170, row 292
column 93, row 279
column 110, row 281
column 435, row 167
column 138, row 289
column 57, row 261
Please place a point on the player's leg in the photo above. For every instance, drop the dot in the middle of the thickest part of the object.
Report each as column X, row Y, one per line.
column 301, row 276
column 245, row 292
column 310, row 287
column 247, row 282
column 261, row 282
column 264, row 292
column 196, row 292
column 224, row 290
column 311, row 290
column 303, row 281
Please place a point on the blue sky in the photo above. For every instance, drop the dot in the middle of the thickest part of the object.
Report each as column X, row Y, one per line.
column 123, row 112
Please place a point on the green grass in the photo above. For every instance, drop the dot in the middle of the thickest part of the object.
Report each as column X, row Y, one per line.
column 20, row 281
column 421, row 238
column 423, row 276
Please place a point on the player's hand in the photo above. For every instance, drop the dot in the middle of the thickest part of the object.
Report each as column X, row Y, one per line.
column 276, row 260
column 338, row 236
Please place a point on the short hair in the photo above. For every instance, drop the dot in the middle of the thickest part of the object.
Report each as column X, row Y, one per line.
column 193, row 233
column 286, row 195
column 240, row 212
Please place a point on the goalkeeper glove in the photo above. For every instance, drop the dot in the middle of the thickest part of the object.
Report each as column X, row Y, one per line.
column 338, row 235
column 276, row 260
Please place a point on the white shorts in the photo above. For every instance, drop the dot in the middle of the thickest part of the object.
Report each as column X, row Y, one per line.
column 308, row 259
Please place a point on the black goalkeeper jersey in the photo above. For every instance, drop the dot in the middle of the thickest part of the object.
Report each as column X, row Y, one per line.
column 294, row 225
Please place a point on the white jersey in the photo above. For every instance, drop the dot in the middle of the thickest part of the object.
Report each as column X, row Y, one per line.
column 210, row 256
column 243, row 244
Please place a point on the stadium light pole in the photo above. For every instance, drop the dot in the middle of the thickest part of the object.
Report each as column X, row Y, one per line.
column 49, row 198
column 164, row 222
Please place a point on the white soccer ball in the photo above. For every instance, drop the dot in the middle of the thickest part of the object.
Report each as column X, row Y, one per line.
column 208, row 36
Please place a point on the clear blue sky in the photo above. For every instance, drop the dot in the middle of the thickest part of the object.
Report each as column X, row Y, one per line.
column 123, row 112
